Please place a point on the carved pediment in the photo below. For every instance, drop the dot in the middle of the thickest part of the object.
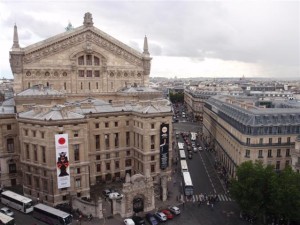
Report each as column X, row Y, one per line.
column 91, row 36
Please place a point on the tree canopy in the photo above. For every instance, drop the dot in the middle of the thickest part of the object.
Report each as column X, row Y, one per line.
column 261, row 191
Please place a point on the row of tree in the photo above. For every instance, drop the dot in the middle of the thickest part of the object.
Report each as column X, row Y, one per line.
column 266, row 194
column 176, row 97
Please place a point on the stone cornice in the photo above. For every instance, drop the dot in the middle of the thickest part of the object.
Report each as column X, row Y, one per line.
column 91, row 36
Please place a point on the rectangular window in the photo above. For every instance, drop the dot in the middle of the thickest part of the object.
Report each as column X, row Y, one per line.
column 287, row 163
column 8, row 126
column 116, row 140
column 128, row 162
column 97, row 157
column 37, row 182
column 279, row 140
column 269, row 153
column 98, row 167
column 77, row 182
column 107, row 166
column 270, row 140
column 152, row 142
column 106, row 124
column 96, row 125
column 277, row 165
column 25, row 132
column 27, row 151
column 287, row 153
column 33, row 133
column 248, row 141
column 45, row 185
column 76, row 152
column 65, row 86
column 12, row 168
column 247, row 154
column 127, row 139
column 152, row 168
column 117, row 154
column 10, row 145
column 97, row 73
column 117, row 165
column 35, row 154
column 288, row 140
column 261, row 141
column 128, row 153
column 107, row 156
column 116, row 124
column 81, row 60
column 89, row 73
column 28, row 179
column 106, row 136
column 278, row 152
column 76, row 133
column 152, row 125
column 152, row 157
column 260, row 153
column 43, row 149
column 127, row 123
column 97, row 142
column 42, row 135
column 78, row 171
column 81, row 73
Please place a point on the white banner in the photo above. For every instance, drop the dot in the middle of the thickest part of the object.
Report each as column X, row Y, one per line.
column 62, row 160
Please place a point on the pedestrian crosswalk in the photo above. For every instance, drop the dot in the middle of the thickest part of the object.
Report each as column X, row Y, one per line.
column 197, row 198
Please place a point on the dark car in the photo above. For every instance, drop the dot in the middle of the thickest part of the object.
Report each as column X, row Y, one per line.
column 138, row 220
column 106, row 192
column 151, row 219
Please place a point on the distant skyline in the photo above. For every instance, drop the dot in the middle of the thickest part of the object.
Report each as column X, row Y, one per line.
column 186, row 38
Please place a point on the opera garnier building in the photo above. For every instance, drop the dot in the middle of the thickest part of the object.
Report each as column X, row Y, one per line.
column 82, row 114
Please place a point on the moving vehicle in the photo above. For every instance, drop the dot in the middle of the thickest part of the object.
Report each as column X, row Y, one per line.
column 160, row 216
column 129, row 222
column 182, row 154
column 188, row 188
column 175, row 210
column 17, row 201
column 200, row 148
column 193, row 136
column 195, row 149
column 184, row 166
column 7, row 211
column 168, row 214
column 138, row 220
column 6, row 220
column 190, row 155
column 51, row 215
column 151, row 219
column 115, row 195
column 180, row 146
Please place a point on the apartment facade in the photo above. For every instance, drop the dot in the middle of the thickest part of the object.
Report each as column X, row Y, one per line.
column 243, row 128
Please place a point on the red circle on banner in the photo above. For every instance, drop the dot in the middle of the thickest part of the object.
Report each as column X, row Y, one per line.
column 61, row 141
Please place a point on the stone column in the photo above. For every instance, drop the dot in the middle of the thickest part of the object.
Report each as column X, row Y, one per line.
column 164, row 187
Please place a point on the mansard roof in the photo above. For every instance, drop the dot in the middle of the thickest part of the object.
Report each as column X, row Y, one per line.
column 7, row 107
column 255, row 116
column 40, row 90
column 79, row 109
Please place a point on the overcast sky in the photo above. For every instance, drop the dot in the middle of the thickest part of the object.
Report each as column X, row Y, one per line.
column 186, row 38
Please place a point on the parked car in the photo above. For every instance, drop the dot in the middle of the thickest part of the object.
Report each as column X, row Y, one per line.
column 195, row 149
column 106, row 192
column 160, row 216
column 7, row 211
column 138, row 220
column 115, row 195
column 168, row 214
column 175, row 210
column 129, row 222
column 151, row 219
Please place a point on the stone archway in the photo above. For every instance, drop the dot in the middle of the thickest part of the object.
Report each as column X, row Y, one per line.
column 138, row 197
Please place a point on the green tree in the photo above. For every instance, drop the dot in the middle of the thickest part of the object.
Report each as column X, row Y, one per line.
column 252, row 188
column 176, row 97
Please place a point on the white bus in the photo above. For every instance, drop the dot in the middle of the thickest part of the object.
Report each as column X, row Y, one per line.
column 51, row 215
column 188, row 188
column 182, row 154
column 17, row 201
column 184, row 167
column 180, row 146
column 6, row 220
column 193, row 136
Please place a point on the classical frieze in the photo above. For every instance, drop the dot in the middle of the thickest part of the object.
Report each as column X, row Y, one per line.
column 86, row 36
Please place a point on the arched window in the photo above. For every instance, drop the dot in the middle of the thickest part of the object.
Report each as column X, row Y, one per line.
column 81, row 60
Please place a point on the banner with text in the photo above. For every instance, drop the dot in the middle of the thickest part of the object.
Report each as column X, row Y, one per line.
column 62, row 160
column 164, row 146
